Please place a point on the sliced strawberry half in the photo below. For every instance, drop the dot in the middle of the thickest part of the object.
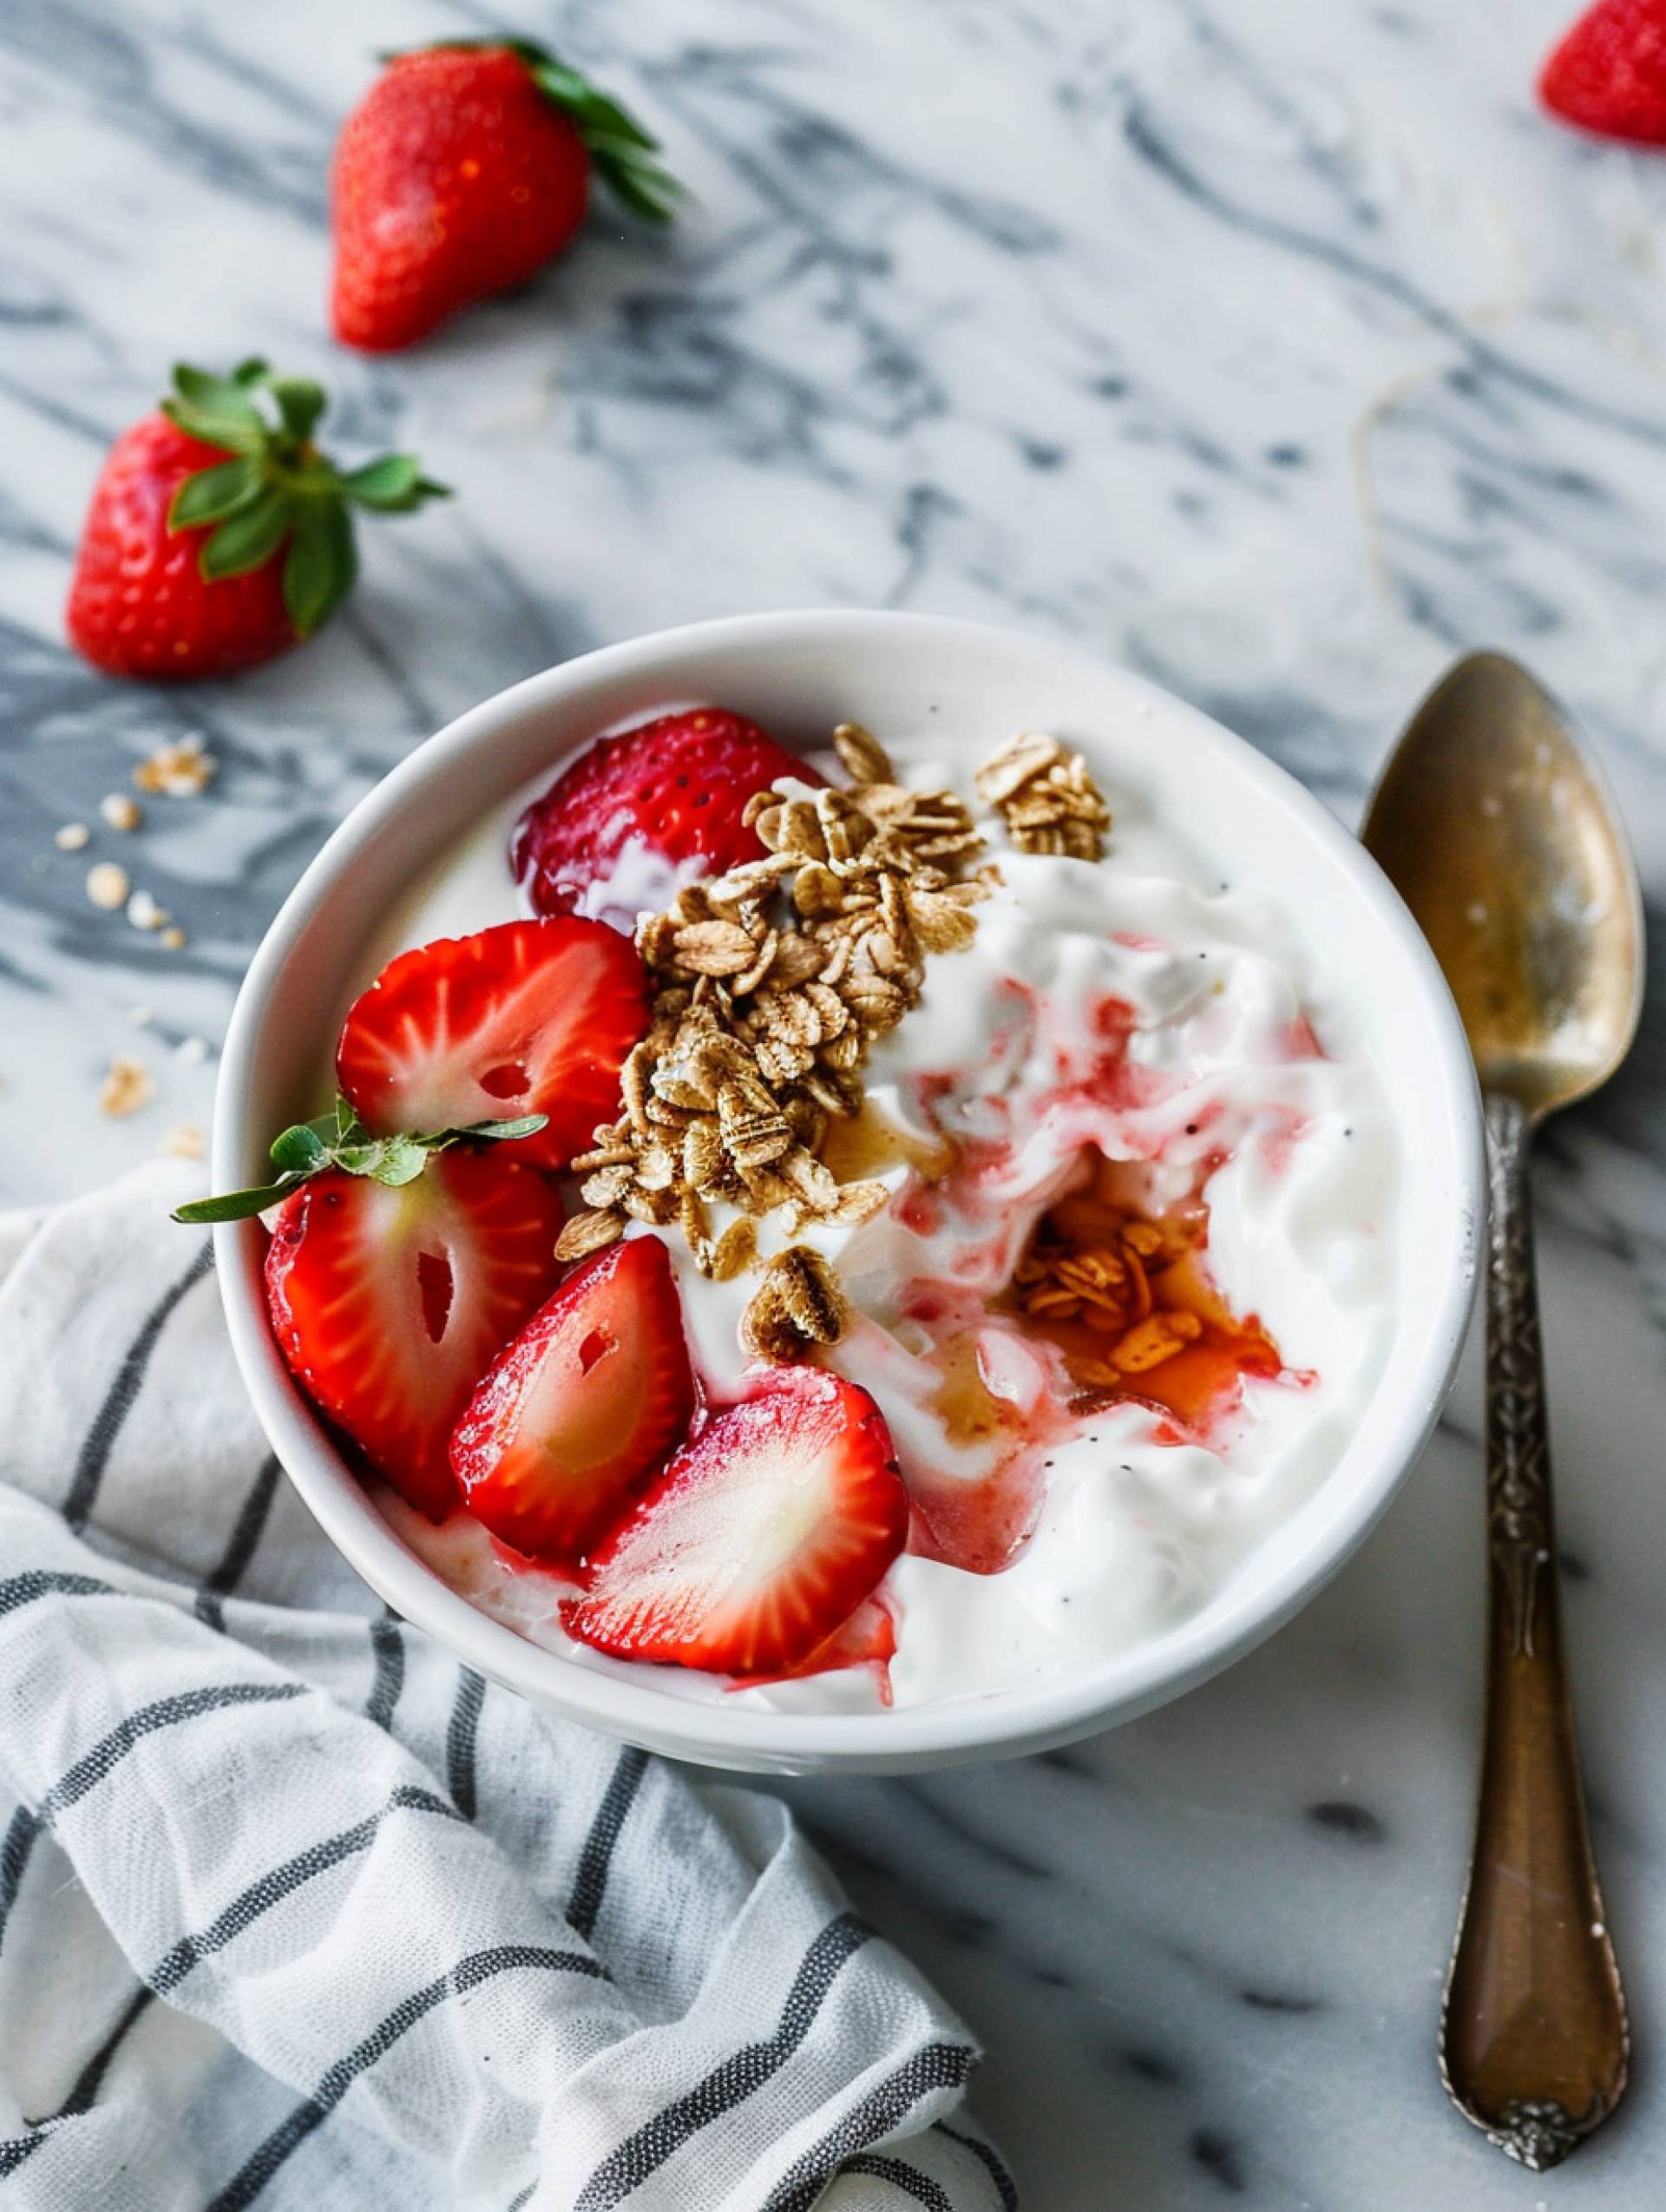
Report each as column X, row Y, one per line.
column 760, row 1540
column 388, row 1303
column 530, row 1017
column 644, row 811
column 580, row 1409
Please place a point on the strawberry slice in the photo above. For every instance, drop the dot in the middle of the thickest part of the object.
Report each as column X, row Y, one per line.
column 388, row 1303
column 581, row 1407
column 643, row 812
column 867, row 1639
column 761, row 1538
column 530, row 1017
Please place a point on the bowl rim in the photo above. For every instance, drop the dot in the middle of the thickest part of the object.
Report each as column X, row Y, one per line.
column 1027, row 1717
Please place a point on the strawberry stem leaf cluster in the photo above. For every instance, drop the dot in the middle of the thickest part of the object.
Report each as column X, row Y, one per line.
column 338, row 1139
column 276, row 491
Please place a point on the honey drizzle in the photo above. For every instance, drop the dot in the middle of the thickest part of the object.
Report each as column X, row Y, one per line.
column 1128, row 1299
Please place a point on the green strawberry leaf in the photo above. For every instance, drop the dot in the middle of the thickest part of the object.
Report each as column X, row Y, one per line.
column 320, row 565
column 587, row 106
column 219, row 410
column 229, row 396
column 641, row 186
column 300, row 402
column 213, row 493
column 247, row 539
column 393, row 485
column 616, row 142
column 236, row 434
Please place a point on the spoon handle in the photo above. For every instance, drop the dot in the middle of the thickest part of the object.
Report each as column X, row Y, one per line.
column 1534, row 2041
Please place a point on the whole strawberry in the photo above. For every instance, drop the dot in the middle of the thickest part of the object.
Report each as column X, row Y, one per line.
column 625, row 820
column 217, row 534
column 1609, row 73
column 465, row 167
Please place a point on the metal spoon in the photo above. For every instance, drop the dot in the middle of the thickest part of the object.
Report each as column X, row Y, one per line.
column 1495, row 830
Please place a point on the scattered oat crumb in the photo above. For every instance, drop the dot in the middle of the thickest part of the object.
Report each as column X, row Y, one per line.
column 125, row 1088
column 192, row 1051
column 184, row 1141
column 120, row 811
column 172, row 938
column 140, row 1016
column 144, row 913
column 106, row 885
column 180, row 770
column 72, row 837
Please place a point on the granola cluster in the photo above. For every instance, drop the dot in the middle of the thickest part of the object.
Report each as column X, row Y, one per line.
column 771, row 985
column 1045, row 797
column 1106, row 1285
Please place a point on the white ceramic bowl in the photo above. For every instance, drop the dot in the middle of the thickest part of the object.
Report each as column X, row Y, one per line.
column 798, row 674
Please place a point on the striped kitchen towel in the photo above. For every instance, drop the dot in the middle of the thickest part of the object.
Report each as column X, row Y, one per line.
column 295, row 1912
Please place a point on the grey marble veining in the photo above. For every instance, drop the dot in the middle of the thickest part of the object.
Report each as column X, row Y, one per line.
column 1280, row 350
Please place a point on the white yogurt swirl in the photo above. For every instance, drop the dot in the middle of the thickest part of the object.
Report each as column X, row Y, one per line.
column 1215, row 1063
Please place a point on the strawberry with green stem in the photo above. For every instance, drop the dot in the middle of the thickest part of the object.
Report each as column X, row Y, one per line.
column 218, row 535
column 465, row 167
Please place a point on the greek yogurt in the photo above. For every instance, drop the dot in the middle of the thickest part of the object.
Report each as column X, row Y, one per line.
column 1136, row 1012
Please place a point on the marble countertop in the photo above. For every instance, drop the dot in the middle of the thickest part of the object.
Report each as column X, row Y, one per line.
column 1280, row 351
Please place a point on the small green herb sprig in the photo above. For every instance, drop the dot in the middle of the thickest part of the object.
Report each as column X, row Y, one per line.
column 338, row 1139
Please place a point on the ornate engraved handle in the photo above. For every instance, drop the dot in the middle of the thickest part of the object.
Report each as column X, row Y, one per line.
column 1534, row 2041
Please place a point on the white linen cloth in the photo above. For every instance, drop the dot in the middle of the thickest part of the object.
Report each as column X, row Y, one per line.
column 296, row 1912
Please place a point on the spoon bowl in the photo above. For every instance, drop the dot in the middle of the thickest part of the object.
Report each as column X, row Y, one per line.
column 1498, row 832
